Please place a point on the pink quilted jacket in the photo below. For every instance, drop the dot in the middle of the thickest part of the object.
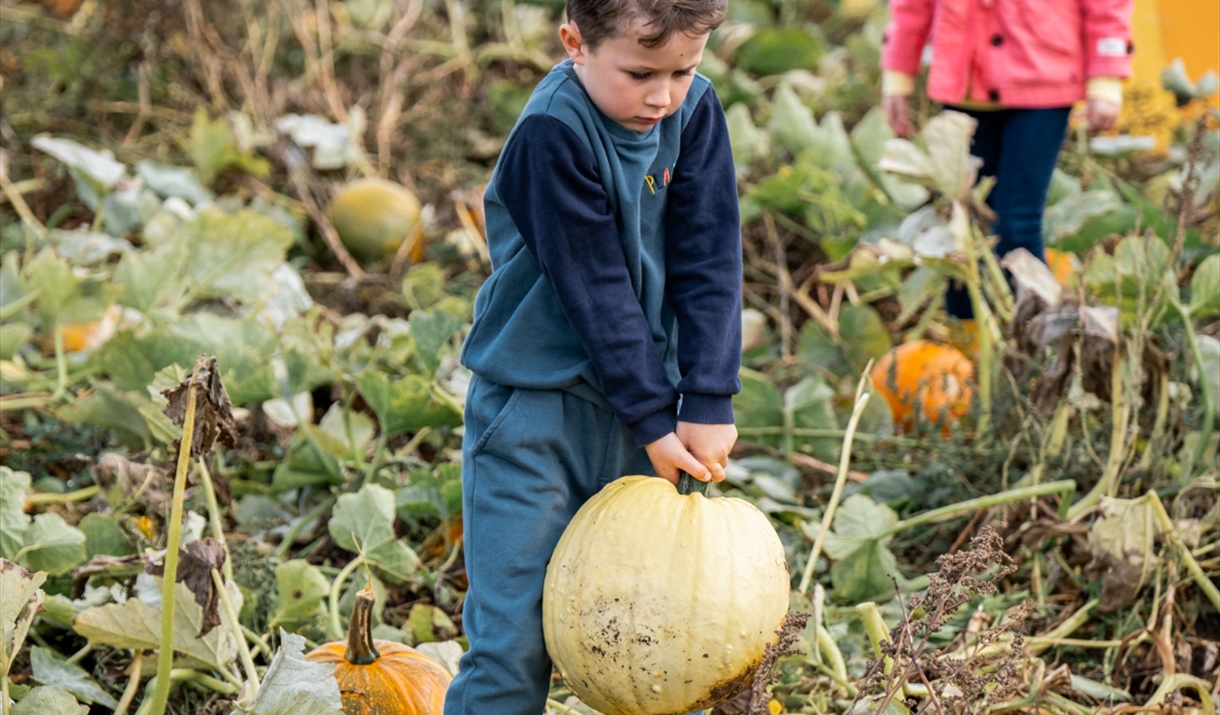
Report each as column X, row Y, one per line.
column 1018, row 53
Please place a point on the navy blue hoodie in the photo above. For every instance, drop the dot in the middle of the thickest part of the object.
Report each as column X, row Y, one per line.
column 616, row 260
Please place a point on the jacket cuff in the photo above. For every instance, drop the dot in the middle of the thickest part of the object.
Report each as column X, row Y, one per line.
column 706, row 409
column 897, row 84
column 655, row 426
column 1109, row 89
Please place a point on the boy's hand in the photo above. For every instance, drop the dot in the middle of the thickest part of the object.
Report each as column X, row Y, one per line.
column 669, row 457
column 895, row 108
column 710, row 444
column 1102, row 115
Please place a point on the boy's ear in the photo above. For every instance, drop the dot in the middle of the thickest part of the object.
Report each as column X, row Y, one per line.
column 572, row 41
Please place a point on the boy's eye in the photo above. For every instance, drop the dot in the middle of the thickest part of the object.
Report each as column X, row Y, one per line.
column 640, row 76
column 684, row 73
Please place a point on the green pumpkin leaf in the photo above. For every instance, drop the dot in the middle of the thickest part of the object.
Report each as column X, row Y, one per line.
column 49, row 700
column 13, row 519
column 407, row 405
column 51, row 545
column 1139, row 270
column 103, row 536
column 309, row 462
column 858, row 543
column 364, row 522
column 773, row 51
column 759, row 404
column 50, row 670
column 868, row 340
column 432, row 329
column 107, row 406
column 868, row 138
column 295, row 686
column 20, row 601
column 1209, row 351
column 136, row 625
column 1205, row 288
column 213, row 148
column 152, row 278
column 233, row 255
column 301, row 589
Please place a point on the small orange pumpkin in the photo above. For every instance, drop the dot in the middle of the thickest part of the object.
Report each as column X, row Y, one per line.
column 935, row 377
column 379, row 677
column 1064, row 265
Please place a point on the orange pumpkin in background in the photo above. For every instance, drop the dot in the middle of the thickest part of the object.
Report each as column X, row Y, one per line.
column 379, row 677
column 929, row 379
column 1064, row 265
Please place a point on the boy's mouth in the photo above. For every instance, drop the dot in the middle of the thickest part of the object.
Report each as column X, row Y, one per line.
column 648, row 120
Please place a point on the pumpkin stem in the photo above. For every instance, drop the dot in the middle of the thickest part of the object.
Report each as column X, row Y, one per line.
column 688, row 484
column 360, row 648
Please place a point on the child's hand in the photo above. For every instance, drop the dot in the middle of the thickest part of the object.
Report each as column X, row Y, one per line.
column 670, row 457
column 895, row 108
column 710, row 444
column 1102, row 115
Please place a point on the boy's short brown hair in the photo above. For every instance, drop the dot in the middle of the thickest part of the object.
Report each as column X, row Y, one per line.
column 601, row 20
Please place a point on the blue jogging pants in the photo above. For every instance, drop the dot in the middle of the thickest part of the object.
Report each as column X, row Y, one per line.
column 530, row 459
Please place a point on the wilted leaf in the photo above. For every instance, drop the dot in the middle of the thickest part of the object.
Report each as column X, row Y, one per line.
column 858, row 543
column 13, row 519
column 429, row 623
column 301, row 588
column 213, row 411
column 83, row 247
column 179, row 181
column 295, row 686
column 195, row 563
column 364, row 522
column 99, row 167
column 50, row 670
column 1122, row 544
column 407, row 405
column 121, row 479
column 333, row 144
column 1070, row 215
column 1032, row 276
column 13, row 336
column 136, row 625
column 20, row 600
column 49, row 700
column 447, row 653
column 51, row 545
column 947, row 137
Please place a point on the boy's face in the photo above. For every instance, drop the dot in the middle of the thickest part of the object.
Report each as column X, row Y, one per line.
column 634, row 85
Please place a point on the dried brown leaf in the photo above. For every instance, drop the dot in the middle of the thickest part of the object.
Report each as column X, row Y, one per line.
column 213, row 410
column 195, row 563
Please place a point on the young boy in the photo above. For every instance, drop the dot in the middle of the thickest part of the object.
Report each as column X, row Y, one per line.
column 607, row 339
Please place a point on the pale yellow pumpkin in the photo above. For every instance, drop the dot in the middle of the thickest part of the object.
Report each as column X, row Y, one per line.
column 374, row 216
column 658, row 602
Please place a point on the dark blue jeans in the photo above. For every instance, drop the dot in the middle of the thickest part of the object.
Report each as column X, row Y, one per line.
column 1019, row 147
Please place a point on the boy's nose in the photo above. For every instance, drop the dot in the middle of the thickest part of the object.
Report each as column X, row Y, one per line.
column 658, row 97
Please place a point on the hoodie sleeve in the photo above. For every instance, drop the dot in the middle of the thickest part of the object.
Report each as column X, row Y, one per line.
column 703, row 266
column 557, row 202
column 1107, row 38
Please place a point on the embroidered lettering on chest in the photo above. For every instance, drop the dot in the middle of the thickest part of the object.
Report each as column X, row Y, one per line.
column 657, row 182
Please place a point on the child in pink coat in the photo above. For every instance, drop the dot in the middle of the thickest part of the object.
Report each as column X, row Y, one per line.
column 1017, row 67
